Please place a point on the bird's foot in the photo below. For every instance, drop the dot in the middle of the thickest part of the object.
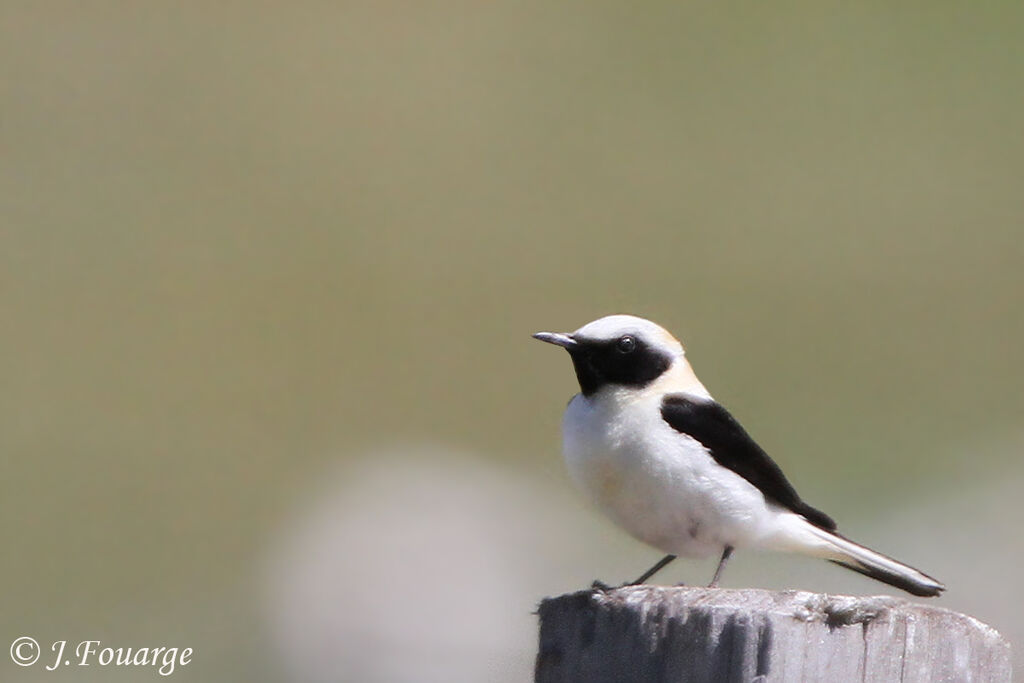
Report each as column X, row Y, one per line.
column 603, row 587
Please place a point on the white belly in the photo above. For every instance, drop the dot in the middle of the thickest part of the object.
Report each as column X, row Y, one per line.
column 662, row 487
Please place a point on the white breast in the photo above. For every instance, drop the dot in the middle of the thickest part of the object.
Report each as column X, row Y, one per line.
column 663, row 487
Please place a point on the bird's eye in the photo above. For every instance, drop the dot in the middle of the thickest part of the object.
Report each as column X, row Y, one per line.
column 626, row 344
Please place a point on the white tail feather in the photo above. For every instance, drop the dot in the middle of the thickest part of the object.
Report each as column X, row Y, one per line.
column 874, row 564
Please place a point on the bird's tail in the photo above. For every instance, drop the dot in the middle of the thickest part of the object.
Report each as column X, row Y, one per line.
column 854, row 556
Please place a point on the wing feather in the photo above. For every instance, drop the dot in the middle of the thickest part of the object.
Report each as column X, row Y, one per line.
column 729, row 444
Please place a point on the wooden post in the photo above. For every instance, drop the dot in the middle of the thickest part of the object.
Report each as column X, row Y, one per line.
column 715, row 635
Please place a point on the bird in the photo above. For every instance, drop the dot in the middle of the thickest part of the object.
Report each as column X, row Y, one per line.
column 645, row 440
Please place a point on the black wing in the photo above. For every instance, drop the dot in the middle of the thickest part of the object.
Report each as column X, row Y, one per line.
column 731, row 446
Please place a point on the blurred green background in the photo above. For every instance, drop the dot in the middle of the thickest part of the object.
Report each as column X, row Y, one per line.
column 245, row 244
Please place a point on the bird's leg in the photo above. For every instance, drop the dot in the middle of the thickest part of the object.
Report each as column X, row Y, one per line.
column 653, row 570
column 721, row 565
column 604, row 588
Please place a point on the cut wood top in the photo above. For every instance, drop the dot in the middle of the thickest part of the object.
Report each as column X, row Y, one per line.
column 653, row 633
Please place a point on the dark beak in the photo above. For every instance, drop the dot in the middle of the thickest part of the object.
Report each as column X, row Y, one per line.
column 557, row 338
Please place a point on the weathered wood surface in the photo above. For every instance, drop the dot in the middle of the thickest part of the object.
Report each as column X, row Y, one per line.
column 714, row 635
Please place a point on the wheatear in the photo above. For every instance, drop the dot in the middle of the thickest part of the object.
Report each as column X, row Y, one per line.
column 645, row 440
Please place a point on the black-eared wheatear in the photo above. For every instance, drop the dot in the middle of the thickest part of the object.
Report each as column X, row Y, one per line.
column 647, row 442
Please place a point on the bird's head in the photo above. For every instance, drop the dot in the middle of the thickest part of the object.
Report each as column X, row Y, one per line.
column 621, row 350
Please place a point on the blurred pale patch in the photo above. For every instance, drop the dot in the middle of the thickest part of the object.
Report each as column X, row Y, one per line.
column 417, row 564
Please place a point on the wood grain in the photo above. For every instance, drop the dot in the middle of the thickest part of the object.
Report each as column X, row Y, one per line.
column 698, row 635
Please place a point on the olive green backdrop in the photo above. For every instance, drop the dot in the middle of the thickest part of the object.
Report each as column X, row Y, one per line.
column 246, row 244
